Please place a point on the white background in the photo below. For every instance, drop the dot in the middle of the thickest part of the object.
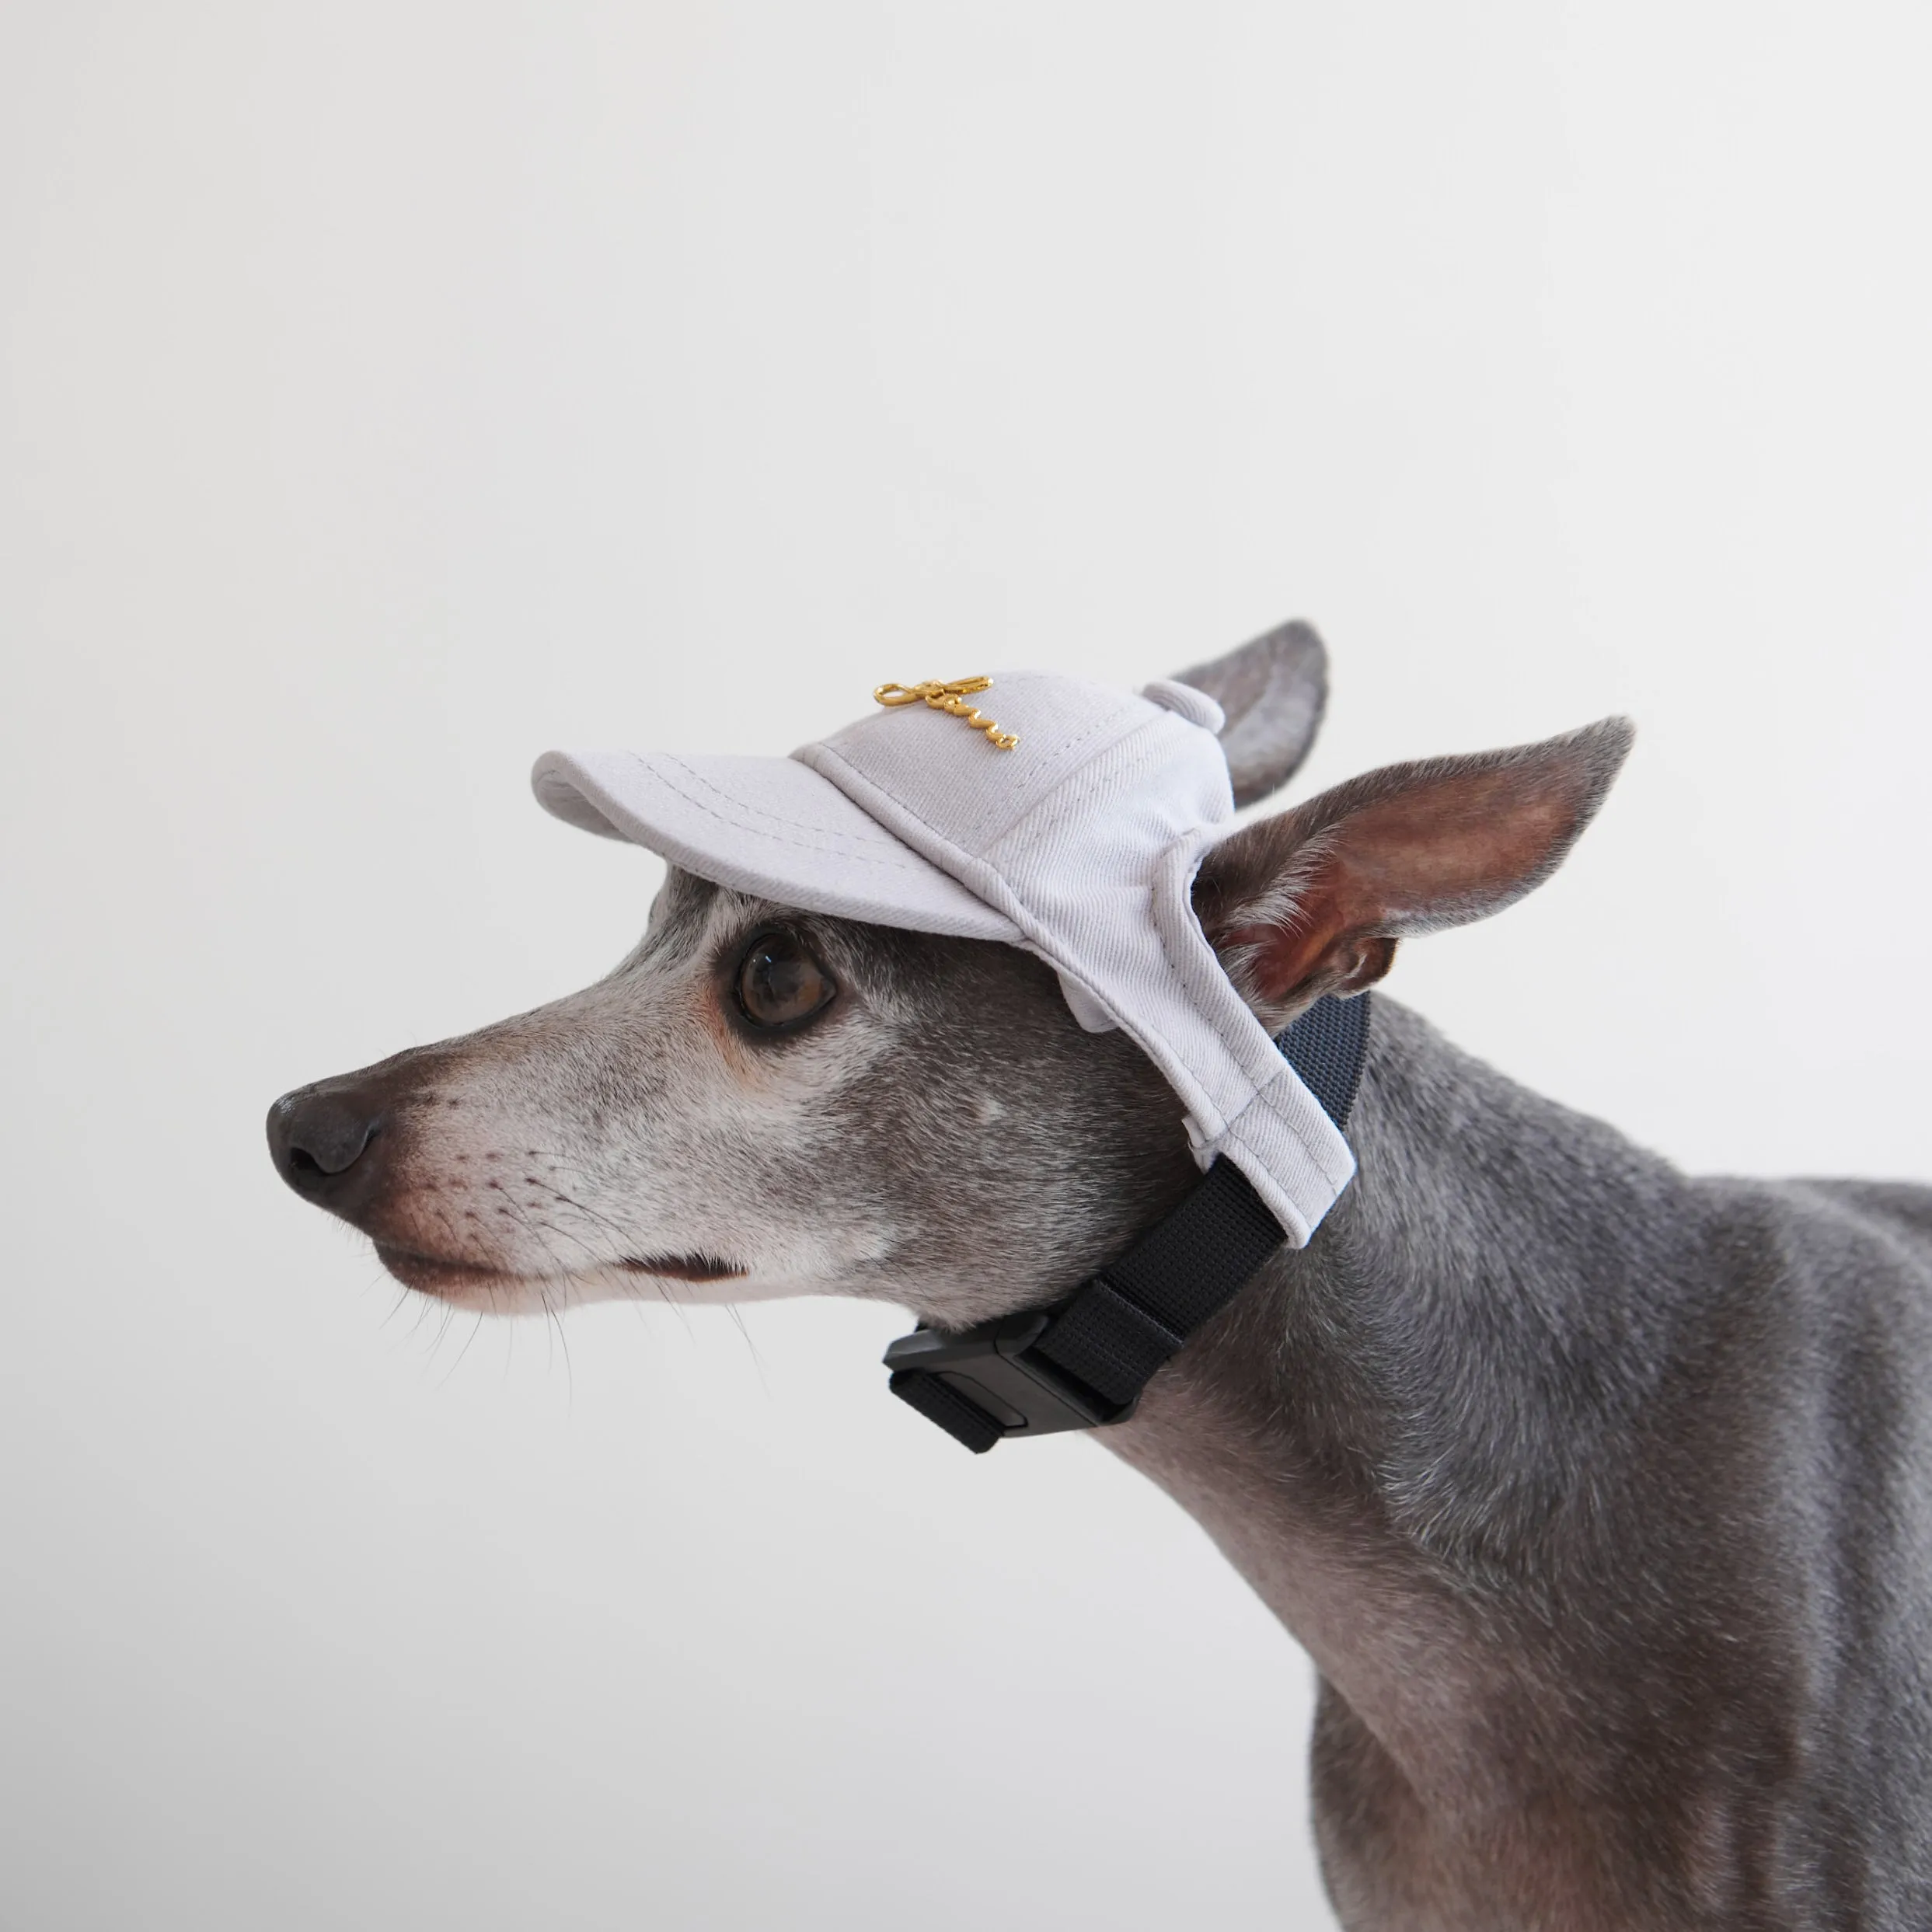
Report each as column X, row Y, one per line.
column 394, row 390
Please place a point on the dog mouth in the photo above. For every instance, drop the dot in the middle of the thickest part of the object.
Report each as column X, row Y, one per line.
column 432, row 1274
column 684, row 1268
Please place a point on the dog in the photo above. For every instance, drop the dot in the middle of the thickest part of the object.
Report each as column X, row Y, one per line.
column 1600, row 1495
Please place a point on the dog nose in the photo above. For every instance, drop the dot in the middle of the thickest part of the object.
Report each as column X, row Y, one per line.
column 319, row 1137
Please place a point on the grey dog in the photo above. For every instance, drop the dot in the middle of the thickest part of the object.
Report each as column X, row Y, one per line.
column 1601, row 1496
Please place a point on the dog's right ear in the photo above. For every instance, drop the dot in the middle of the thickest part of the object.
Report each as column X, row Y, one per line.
column 1272, row 692
column 1314, row 901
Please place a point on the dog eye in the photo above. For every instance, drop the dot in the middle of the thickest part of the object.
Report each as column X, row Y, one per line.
column 780, row 983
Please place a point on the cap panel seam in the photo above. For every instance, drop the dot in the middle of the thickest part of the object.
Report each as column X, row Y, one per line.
column 1089, row 782
column 1074, row 767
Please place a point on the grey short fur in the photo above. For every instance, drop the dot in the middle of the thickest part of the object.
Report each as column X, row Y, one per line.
column 1600, row 1496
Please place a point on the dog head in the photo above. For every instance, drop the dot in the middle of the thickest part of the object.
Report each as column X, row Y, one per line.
column 762, row 1102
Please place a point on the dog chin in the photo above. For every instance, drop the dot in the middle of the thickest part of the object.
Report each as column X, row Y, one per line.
column 465, row 1284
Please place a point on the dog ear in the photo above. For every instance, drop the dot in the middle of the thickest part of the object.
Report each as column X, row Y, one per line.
column 1272, row 692
column 1314, row 901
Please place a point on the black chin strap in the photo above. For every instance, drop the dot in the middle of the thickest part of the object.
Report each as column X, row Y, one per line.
column 1083, row 1362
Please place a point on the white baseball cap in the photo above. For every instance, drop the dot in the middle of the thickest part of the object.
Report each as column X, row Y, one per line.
column 1067, row 818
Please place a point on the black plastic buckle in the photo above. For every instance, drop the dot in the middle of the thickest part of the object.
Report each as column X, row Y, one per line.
column 993, row 1367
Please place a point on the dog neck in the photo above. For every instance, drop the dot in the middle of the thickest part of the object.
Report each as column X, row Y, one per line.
column 1400, row 1434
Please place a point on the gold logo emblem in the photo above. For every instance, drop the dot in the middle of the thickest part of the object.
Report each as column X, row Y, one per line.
column 949, row 698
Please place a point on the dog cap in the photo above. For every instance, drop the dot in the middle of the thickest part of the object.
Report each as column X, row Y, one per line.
column 1078, row 842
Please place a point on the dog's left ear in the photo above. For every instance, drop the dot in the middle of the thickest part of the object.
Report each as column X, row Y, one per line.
column 1272, row 693
column 1313, row 901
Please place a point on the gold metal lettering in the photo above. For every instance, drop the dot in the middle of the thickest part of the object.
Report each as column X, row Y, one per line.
column 949, row 698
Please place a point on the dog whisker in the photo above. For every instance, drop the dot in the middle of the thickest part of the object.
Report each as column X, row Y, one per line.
column 476, row 1330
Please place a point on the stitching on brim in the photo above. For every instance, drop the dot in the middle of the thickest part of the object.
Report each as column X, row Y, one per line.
column 914, row 864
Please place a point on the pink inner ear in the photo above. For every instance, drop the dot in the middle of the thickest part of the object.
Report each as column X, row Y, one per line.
column 1313, row 901
column 1461, row 844
column 1275, row 959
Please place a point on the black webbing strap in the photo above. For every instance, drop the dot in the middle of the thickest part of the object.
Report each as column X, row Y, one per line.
column 1084, row 1362
column 1119, row 1328
column 1327, row 1047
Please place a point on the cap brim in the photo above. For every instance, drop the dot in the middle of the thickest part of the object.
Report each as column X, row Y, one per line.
column 769, row 826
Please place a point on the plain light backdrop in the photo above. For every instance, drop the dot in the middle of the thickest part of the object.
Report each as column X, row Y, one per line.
column 392, row 392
